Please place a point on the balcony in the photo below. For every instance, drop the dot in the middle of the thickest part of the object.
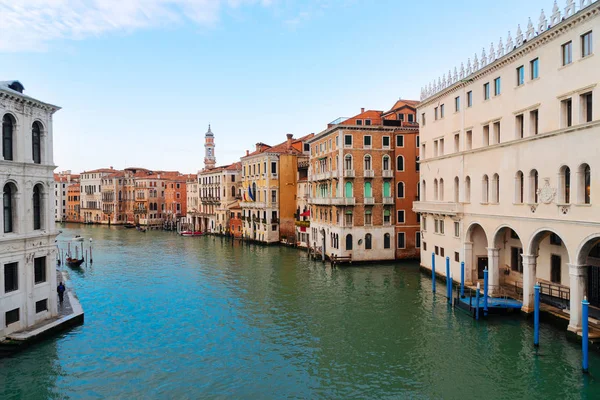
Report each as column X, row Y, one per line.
column 320, row 201
column 369, row 200
column 252, row 204
column 369, row 173
column 387, row 173
column 348, row 173
column 349, row 201
column 436, row 207
column 305, row 224
column 388, row 200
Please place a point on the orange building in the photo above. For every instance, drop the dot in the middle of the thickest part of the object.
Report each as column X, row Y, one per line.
column 175, row 198
column 235, row 219
column 73, row 202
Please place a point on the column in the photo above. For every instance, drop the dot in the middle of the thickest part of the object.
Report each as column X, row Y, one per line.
column 468, row 254
column 577, row 278
column 529, row 278
column 493, row 270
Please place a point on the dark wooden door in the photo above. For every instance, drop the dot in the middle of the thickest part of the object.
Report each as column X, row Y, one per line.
column 593, row 289
column 482, row 263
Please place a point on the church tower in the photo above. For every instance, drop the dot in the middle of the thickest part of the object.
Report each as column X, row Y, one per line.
column 209, row 150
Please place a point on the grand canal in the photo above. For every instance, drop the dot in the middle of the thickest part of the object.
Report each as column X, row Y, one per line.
column 172, row 317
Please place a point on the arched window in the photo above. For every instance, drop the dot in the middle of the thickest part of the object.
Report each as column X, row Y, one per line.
column 348, row 242
column 8, row 205
column 533, row 186
column 36, row 142
column 584, row 176
column 435, row 189
column 456, row 189
column 8, row 125
column 37, row 207
column 485, row 183
column 441, row 192
column 348, row 162
column 368, row 244
column 565, row 184
column 348, row 191
column 387, row 189
column 496, row 188
column 386, row 241
column 386, row 163
column 367, row 162
column 368, row 190
column 519, row 188
column 400, row 163
column 400, row 190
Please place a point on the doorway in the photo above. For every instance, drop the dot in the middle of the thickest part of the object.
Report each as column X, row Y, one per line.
column 482, row 264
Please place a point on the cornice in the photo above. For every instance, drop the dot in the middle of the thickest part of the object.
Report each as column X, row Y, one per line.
column 30, row 101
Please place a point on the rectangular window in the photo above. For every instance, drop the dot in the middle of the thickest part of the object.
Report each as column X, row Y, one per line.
column 435, row 113
column 273, row 167
column 417, row 240
column 436, row 224
column 567, row 113
column 457, row 104
column 535, row 65
column 41, row 306
column 486, row 135
column 456, row 256
column 486, row 91
column 367, row 141
column 555, row 262
column 273, row 196
column 359, row 122
column 469, row 141
column 424, row 219
column 586, row 44
column 386, row 141
column 424, row 245
column 423, row 119
column 497, row 89
column 470, row 98
column 519, row 126
column 39, row 265
column 496, row 132
column 368, row 218
column 12, row 316
column 520, row 75
column 442, row 252
column 11, row 277
column 348, row 219
column 400, row 219
column 401, row 240
column 367, row 122
column 534, row 122
column 411, row 118
column 567, row 53
column 442, row 111
column 586, row 107
column 400, row 117
column 418, row 141
column 347, row 140
column 456, row 229
column 457, row 142
column 399, row 140
column 306, row 147
column 442, row 226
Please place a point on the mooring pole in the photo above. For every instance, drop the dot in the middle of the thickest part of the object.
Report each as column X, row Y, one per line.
column 462, row 279
column 91, row 258
column 536, row 316
column 433, row 272
column 448, row 281
column 477, row 302
column 584, row 333
column 485, row 291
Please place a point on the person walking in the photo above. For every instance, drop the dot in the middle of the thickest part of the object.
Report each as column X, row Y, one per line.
column 61, row 291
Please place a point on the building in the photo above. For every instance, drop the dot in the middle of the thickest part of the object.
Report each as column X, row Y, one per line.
column 113, row 206
column 269, row 187
column 235, row 219
column 91, row 195
column 302, row 215
column 73, row 202
column 27, row 248
column 62, row 181
column 175, row 199
column 509, row 164
column 193, row 203
column 230, row 194
column 354, row 166
column 209, row 187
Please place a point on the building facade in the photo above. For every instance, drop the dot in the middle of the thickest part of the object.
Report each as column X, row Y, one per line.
column 91, row 195
column 62, row 181
column 73, row 202
column 27, row 235
column 509, row 160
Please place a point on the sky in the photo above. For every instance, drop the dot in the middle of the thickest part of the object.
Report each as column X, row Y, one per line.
column 140, row 80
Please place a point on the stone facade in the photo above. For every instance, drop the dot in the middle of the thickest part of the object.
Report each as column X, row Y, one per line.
column 27, row 232
column 508, row 166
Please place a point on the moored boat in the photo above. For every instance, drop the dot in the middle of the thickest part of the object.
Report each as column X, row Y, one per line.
column 191, row 233
column 129, row 226
column 74, row 262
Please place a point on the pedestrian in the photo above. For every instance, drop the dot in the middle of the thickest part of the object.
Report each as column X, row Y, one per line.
column 61, row 291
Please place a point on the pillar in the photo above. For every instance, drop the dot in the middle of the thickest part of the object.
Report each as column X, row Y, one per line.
column 493, row 270
column 577, row 279
column 529, row 278
column 468, row 254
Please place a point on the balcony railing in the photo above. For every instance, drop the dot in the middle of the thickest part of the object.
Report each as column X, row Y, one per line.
column 348, row 173
column 369, row 200
column 388, row 200
column 322, row 201
column 436, row 207
column 252, row 204
column 349, row 201
column 369, row 173
column 387, row 173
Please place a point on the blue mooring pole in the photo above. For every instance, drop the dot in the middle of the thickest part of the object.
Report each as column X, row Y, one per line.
column 477, row 302
column 584, row 334
column 485, row 291
column 462, row 279
column 536, row 316
column 448, row 281
column 433, row 272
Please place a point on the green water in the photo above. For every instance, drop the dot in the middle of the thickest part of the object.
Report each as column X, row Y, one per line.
column 172, row 317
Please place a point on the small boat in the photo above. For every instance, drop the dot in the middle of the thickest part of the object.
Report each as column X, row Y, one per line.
column 129, row 226
column 190, row 233
column 78, row 238
column 74, row 262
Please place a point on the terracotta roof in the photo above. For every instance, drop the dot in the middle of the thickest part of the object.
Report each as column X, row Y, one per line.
column 236, row 166
column 373, row 115
column 401, row 103
column 100, row 170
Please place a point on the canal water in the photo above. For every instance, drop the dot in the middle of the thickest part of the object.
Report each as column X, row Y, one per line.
column 172, row 317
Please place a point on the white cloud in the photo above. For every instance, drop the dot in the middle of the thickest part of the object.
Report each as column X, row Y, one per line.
column 27, row 25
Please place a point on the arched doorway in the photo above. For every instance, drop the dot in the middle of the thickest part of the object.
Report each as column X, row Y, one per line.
column 476, row 253
column 588, row 272
column 508, row 248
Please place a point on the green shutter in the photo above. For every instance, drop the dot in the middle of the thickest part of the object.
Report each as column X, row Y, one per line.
column 386, row 189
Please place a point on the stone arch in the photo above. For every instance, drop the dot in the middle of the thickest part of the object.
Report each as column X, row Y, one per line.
column 509, row 246
column 584, row 248
column 475, row 251
column 539, row 235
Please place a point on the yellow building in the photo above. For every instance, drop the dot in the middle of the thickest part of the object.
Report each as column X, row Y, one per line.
column 269, row 178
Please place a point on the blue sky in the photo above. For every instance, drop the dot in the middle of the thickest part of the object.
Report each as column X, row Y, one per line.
column 140, row 80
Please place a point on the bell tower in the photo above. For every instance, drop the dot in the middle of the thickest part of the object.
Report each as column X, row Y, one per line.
column 209, row 150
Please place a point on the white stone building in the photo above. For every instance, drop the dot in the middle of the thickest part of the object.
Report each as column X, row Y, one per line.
column 510, row 161
column 27, row 232
column 91, row 194
column 62, row 181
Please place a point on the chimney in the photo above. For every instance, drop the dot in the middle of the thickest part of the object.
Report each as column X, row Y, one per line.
column 289, row 140
column 247, row 152
column 111, row 167
column 257, row 146
column 362, row 110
